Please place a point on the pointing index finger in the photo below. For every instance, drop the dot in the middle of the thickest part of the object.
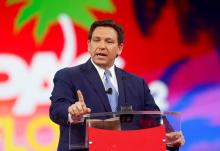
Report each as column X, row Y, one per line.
column 80, row 96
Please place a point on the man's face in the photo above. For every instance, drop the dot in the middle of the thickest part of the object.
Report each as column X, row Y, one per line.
column 104, row 46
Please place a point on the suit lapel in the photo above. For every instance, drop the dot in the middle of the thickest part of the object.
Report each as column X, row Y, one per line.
column 93, row 77
column 121, row 87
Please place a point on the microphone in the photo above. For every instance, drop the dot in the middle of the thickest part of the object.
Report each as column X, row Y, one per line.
column 108, row 91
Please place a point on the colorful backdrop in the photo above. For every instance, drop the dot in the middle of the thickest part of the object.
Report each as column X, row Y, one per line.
column 173, row 45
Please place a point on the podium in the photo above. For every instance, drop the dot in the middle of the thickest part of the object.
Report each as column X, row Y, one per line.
column 124, row 131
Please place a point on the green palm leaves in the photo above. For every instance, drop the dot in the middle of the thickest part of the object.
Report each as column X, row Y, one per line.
column 46, row 13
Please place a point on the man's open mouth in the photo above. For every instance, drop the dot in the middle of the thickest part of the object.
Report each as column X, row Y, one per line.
column 101, row 54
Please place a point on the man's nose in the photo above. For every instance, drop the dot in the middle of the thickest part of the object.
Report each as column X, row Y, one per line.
column 101, row 44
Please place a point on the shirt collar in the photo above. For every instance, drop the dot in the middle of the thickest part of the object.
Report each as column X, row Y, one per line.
column 101, row 70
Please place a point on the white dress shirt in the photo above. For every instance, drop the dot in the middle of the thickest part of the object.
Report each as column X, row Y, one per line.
column 113, row 78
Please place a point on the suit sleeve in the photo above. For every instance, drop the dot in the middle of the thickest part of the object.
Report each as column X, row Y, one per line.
column 149, row 103
column 63, row 95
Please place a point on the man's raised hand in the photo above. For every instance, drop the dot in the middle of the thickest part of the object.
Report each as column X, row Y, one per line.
column 78, row 109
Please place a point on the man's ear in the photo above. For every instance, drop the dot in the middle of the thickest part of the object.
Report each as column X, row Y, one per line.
column 120, row 48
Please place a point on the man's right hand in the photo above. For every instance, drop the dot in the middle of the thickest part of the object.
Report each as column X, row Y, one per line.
column 78, row 109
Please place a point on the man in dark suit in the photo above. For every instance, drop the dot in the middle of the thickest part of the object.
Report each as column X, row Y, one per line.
column 81, row 89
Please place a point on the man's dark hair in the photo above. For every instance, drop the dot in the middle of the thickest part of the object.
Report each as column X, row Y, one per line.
column 107, row 23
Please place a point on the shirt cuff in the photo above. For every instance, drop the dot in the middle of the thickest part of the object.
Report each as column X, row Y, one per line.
column 72, row 120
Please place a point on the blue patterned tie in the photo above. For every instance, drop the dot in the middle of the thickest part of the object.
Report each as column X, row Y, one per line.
column 112, row 94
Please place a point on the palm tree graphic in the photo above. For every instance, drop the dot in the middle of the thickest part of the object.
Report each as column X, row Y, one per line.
column 47, row 13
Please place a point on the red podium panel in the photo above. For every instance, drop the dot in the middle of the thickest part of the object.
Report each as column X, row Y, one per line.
column 124, row 131
column 152, row 139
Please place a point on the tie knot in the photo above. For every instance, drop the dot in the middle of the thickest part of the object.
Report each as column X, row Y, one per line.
column 107, row 73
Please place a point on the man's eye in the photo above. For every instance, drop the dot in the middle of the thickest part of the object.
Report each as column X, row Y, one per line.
column 96, row 40
column 110, row 41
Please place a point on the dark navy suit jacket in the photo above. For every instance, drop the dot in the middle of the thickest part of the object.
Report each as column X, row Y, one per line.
column 132, row 91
